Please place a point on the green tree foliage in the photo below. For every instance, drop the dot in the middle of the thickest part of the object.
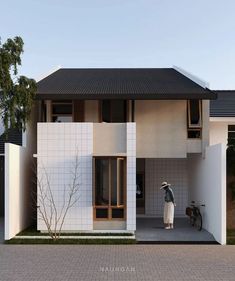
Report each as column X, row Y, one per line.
column 16, row 92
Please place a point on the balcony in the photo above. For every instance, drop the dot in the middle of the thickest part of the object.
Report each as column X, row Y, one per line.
column 98, row 139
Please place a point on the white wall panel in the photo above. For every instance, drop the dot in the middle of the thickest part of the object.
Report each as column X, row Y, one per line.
column 58, row 146
column 207, row 181
column 161, row 128
column 18, row 188
column 131, row 176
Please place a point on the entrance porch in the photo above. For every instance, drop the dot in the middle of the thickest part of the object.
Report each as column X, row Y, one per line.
column 152, row 230
column 198, row 177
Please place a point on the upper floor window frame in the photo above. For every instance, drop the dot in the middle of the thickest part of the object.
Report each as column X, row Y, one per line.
column 61, row 103
column 110, row 111
column 192, row 125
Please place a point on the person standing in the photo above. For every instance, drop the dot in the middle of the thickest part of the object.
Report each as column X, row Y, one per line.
column 169, row 206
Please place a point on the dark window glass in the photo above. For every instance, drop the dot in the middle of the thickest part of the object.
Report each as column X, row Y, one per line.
column 194, row 134
column 194, row 112
column 231, row 128
column 62, row 108
column 121, row 181
column 44, row 112
column 106, row 111
column 114, row 182
column 114, row 111
column 231, row 135
column 102, row 182
column 119, row 111
column 101, row 213
column 117, row 213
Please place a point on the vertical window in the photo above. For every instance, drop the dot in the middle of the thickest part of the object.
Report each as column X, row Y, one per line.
column 78, row 111
column 102, row 182
column 62, row 111
column 109, row 188
column 194, row 118
column 106, row 111
column 194, row 113
column 114, row 111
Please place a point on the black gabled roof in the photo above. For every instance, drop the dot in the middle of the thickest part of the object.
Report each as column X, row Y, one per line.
column 124, row 83
column 224, row 105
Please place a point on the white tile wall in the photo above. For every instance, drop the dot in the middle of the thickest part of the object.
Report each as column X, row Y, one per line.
column 131, row 176
column 58, row 144
column 173, row 171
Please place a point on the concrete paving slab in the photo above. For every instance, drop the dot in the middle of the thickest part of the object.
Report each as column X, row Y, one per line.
column 152, row 229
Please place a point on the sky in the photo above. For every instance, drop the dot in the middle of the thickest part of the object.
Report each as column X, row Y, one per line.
column 196, row 35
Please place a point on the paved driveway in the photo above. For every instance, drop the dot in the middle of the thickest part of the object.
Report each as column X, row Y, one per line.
column 132, row 262
column 152, row 229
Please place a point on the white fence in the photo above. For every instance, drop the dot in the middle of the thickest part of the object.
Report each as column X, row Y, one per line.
column 18, row 184
column 208, row 186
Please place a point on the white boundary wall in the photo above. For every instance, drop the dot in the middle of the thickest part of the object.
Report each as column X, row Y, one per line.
column 18, row 182
column 207, row 183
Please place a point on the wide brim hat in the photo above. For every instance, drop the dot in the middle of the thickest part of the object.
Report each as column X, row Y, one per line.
column 164, row 184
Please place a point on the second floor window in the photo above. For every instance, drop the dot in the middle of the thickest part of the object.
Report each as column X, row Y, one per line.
column 62, row 111
column 113, row 111
column 194, row 113
column 194, row 119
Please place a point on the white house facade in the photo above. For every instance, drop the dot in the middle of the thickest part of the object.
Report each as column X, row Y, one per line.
column 129, row 130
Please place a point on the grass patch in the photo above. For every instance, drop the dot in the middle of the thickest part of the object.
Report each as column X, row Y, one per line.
column 230, row 241
column 72, row 241
column 231, row 236
column 32, row 231
column 230, row 232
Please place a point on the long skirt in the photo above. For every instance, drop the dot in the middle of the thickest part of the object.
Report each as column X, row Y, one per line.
column 168, row 212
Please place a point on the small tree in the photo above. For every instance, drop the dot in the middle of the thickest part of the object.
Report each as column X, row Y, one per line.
column 48, row 210
column 16, row 92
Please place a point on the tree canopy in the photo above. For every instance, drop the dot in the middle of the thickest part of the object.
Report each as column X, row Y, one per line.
column 16, row 92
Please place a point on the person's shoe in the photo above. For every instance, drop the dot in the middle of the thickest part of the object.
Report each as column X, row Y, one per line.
column 167, row 227
column 172, row 227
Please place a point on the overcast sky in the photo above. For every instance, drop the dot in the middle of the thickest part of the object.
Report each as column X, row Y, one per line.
column 197, row 35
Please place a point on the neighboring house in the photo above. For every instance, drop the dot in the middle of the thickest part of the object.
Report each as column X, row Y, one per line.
column 131, row 129
column 222, row 127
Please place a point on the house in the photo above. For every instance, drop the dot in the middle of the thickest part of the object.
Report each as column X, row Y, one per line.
column 131, row 129
column 222, row 128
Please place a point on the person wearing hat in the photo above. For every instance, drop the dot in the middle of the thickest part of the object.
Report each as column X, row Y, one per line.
column 169, row 206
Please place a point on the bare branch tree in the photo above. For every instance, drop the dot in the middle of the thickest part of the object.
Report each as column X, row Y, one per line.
column 48, row 210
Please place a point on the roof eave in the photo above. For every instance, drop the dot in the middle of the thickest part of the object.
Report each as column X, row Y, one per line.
column 154, row 96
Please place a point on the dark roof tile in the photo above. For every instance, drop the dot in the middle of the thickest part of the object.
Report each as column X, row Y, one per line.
column 224, row 105
column 136, row 83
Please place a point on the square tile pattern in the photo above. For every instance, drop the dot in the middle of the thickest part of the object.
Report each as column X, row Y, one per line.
column 58, row 146
column 173, row 171
column 131, row 176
